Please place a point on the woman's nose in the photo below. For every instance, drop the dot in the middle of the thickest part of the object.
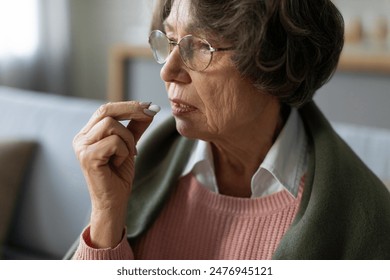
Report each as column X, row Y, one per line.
column 174, row 70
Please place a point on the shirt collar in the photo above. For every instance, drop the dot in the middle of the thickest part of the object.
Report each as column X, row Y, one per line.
column 282, row 168
column 201, row 164
column 286, row 161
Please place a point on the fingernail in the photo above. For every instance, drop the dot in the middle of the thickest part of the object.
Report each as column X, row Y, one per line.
column 145, row 104
column 152, row 110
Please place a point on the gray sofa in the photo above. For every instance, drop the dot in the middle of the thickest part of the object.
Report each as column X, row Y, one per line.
column 51, row 205
column 48, row 205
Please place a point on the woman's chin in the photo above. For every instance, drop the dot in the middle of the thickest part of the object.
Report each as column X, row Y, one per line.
column 187, row 128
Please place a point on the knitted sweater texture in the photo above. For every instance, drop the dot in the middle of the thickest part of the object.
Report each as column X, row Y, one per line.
column 199, row 224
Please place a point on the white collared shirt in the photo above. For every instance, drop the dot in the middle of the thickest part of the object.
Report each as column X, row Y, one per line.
column 283, row 167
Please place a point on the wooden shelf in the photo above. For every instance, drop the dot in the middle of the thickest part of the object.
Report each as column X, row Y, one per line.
column 365, row 60
column 118, row 56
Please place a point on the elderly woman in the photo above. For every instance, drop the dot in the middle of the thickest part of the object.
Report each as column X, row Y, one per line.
column 248, row 168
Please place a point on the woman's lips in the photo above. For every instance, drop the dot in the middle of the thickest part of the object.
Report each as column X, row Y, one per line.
column 181, row 108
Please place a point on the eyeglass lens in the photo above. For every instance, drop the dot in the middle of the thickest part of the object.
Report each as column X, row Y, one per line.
column 194, row 52
column 160, row 46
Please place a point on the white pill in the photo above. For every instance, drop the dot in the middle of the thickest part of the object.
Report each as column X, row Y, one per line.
column 154, row 108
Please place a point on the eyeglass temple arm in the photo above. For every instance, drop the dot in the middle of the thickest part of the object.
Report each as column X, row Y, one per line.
column 221, row 49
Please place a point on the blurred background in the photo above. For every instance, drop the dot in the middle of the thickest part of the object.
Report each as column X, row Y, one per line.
column 62, row 46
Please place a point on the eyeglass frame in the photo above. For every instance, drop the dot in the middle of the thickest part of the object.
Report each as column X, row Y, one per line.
column 173, row 43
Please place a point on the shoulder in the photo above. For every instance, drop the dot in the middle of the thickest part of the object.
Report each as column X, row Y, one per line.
column 345, row 196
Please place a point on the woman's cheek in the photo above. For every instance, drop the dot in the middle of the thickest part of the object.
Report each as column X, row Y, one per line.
column 217, row 121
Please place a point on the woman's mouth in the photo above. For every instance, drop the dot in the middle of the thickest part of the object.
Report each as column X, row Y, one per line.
column 181, row 108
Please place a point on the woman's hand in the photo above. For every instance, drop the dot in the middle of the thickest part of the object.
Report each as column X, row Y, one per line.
column 106, row 149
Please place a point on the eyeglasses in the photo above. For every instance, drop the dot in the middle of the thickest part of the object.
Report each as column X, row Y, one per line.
column 196, row 53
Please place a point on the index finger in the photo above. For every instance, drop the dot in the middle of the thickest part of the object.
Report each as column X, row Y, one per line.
column 124, row 110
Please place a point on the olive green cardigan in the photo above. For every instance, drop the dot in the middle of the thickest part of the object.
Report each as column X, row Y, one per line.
column 345, row 210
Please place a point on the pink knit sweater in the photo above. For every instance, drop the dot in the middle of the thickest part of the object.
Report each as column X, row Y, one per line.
column 199, row 224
